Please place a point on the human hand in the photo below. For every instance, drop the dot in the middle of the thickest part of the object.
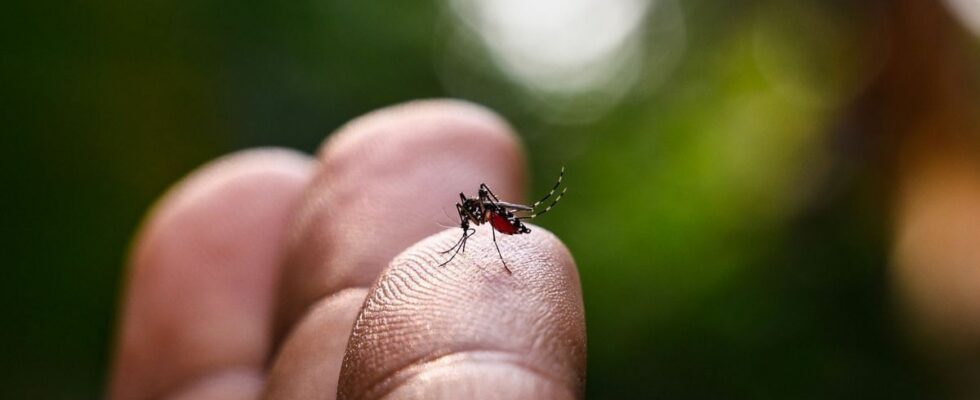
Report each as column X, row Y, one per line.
column 249, row 278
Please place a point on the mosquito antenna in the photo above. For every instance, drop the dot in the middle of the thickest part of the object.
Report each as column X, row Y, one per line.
column 441, row 225
column 557, row 199
column 448, row 217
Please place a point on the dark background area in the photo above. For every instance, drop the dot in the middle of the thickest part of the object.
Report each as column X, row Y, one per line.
column 728, row 212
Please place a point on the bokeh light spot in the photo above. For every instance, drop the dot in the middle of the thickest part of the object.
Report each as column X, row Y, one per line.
column 558, row 46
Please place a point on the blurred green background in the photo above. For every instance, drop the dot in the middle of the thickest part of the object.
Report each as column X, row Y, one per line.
column 726, row 216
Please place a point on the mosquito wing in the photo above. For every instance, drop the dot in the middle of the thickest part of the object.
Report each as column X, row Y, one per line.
column 512, row 206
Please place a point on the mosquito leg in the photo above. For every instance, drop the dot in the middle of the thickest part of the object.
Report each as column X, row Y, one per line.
column 553, row 189
column 461, row 238
column 462, row 224
column 532, row 216
column 460, row 245
column 450, row 258
column 484, row 187
column 498, row 252
column 466, row 236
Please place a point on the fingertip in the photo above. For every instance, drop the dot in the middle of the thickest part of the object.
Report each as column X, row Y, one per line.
column 202, row 272
column 431, row 143
column 434, row 118
column 260, row 164
column 418, row 312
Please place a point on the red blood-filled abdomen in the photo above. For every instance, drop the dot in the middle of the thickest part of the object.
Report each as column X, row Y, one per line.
column 502, row 225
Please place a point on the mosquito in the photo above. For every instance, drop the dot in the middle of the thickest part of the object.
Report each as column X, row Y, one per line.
column 502, row 216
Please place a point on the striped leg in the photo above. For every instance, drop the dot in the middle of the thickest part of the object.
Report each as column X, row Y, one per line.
column 467, row 232
column 494, row 233
column 460, row 245
column 486, row 189
column 553, row 189
column 557, row 199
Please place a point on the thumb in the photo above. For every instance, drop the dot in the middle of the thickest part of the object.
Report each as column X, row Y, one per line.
column 468, row 329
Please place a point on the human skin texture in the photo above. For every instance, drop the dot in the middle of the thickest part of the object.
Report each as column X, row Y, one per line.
column 270, row 274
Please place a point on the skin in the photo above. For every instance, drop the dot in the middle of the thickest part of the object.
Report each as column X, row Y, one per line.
column 268, row 274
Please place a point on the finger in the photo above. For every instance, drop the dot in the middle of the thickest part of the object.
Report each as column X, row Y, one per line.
column 308, row 364
column 196, row 315
column 386, row 181
column 469, row 329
